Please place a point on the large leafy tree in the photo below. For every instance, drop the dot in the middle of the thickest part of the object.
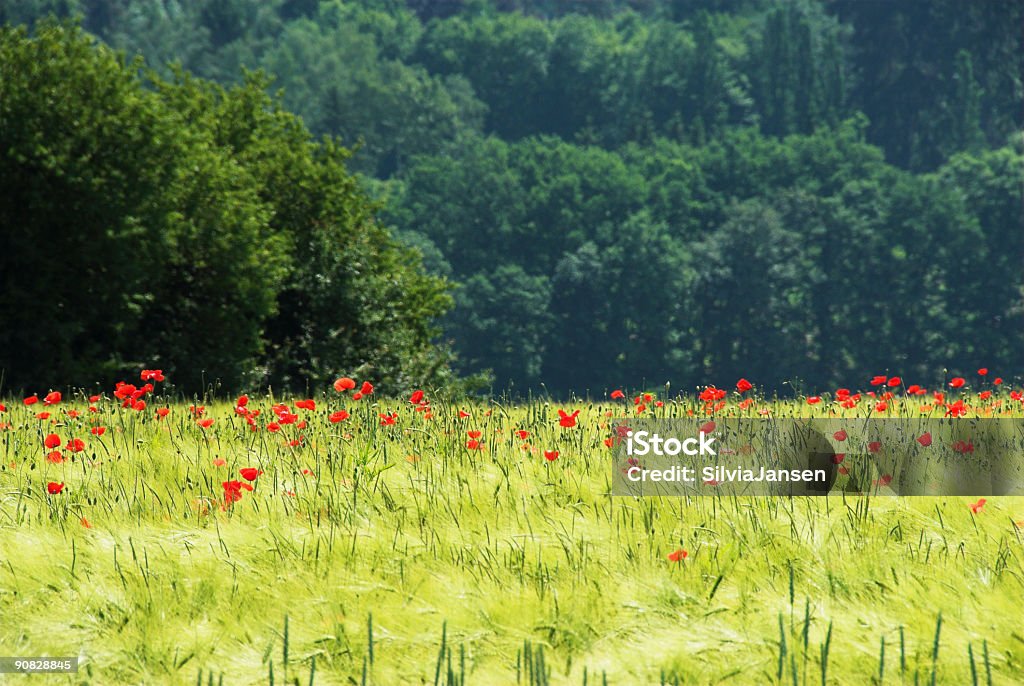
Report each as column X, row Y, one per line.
column 183, row 225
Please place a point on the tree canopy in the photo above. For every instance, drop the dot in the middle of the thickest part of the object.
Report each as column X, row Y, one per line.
column 624, row 191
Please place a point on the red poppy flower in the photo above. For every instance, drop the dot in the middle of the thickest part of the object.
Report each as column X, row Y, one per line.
column 963, row 447
column 997, row 381
column 205, row 423
column 708, row 395
column 54, row 487
column 233, row 491
column 976, row 507
column 31, row 400
column 956, row 382
column 416, row 398
column 473, row 444
column 43, row 415
column 707, row 428
column 56, row 457
column 75, row 445
column 250, row 473
column 522, row 434
column 743, row 385
column 813, row 400
column 983, row 371
column 840, row 435
column 957, row 409
column 357, row 396
column 388, row 419
column 139, row 405
column 881, row 406
column 874, row 446
column 838, row 458
column 463, row 414
column 52, row 441
column 163, row 412
column 52, row 398
column 366, row 388
column 344, row 384
column 550, row 455
column 678, row 556
column 473, row 434
column 3, row 408
column 123, row 390
column 879, row 380
column 305, row 404
column 894, row 382
column 339, row 416
column 617, row 394
column 152, row 375
column 925, row 439
column 567, row 420
column 273, row 427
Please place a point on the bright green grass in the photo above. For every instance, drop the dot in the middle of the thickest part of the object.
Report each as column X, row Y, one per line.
column 503, row 551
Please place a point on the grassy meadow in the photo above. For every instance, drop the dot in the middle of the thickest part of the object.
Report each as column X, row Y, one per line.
column 441, row 543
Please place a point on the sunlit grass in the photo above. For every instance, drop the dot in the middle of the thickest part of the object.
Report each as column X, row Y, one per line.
column 527, row 567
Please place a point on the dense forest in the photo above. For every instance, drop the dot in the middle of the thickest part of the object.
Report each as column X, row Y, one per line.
column 612, row 191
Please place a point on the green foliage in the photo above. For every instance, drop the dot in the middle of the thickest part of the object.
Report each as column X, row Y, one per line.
column 614, row 180
column 198, row 229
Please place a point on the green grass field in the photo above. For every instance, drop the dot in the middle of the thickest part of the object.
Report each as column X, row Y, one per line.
column 396, row 554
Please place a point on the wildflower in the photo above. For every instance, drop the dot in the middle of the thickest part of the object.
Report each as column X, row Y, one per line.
column 339, row 416
column 550, row 455
column 250, row 473
column 678, row 556
column 617, row 394
column 567, row 420
column 54, row 487
column 344, row 384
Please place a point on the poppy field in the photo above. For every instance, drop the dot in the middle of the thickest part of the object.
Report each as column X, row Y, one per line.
column 346, row 538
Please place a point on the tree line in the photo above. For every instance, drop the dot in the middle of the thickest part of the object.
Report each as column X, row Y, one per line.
column 647, row 190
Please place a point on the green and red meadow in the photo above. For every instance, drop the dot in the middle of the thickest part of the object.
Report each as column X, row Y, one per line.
column 348, row 538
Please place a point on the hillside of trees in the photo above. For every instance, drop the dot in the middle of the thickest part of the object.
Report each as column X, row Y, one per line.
column 623, row 191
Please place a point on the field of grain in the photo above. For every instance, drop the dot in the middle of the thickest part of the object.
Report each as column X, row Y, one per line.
column 334, row 540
